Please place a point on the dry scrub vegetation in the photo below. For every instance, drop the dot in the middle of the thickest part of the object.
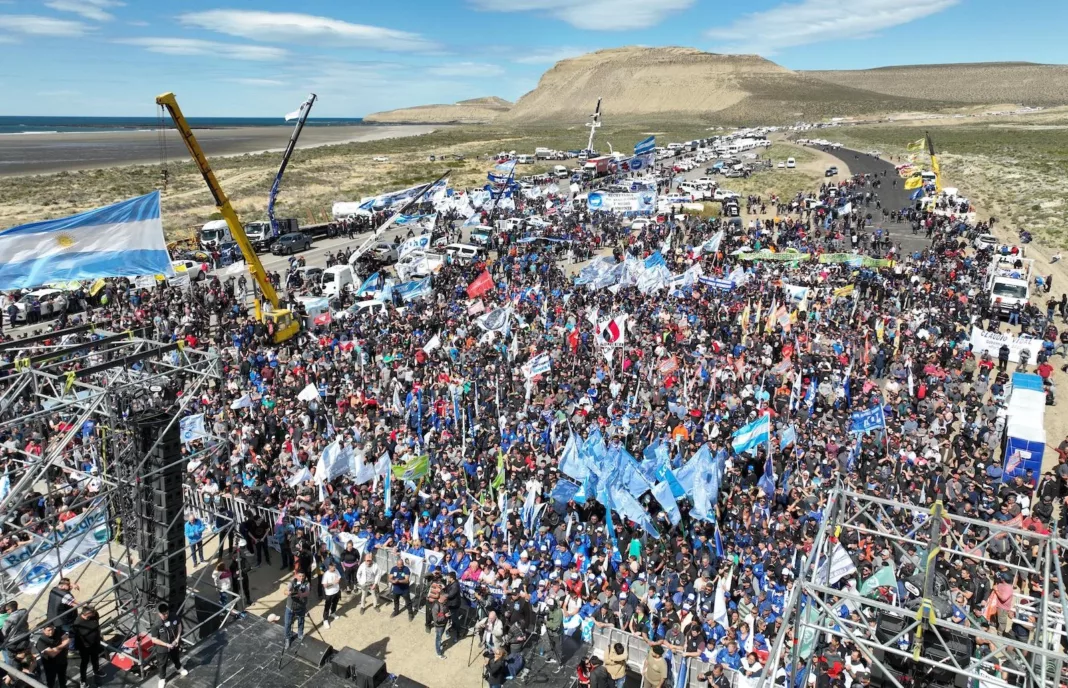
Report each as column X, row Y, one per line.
column 1018, row 175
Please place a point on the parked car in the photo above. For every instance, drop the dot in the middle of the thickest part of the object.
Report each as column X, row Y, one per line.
column 790, row 163
column 384, row 252
column 985, row 241
column 831, row 171
column 781, row 165
column 294, row 242
column 196, row 270
column 52, row 301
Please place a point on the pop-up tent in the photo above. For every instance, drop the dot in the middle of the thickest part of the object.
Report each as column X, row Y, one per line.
column 1025, row 434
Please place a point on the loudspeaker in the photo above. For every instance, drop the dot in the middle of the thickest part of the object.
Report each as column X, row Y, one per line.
column 960, row 646
column 363, row 669
column 208, row 617
column 888, row 627
column 314, row 651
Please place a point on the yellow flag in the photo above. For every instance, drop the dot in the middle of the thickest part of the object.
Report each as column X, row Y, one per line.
column 913, row 182
column 880, row 328
column 96, row 287
column 844, row 291
column 916, row 145
column 937, row 169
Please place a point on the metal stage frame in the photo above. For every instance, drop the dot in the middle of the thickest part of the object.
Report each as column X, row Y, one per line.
column 921, row 643
column 109, row 380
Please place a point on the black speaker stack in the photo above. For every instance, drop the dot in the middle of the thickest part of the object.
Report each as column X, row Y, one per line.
column 907, row 672
column 362, row 669
column 160, row 510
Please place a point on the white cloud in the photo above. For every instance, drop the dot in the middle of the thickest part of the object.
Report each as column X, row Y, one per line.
column 814, row 21
column 34, row 25
column 90, row 9
column 548, row 55
column 8, row 39
column 192, row 46
column 249, row 81
column 595, row 15
column 466, row 69
column 290, row 27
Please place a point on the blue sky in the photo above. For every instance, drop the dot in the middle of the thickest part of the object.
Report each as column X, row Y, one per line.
column 111, row 57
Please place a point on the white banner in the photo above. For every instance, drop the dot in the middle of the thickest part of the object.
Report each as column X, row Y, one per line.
column 539, row 365
column 991, row 342
column 415, row 243
column 634, row 202
column 192, row 428
column 33, row 565
column 335, row 460
column 309, row 393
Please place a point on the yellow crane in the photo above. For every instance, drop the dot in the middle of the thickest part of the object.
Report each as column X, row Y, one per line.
column 285, row 325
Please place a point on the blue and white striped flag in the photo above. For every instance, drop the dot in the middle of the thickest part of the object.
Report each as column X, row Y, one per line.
column 749, row 437
column 120, row 240
column 645, row 146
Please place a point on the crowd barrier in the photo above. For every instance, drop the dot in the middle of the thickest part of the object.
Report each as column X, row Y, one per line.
column 385, row 557
column 637, row 649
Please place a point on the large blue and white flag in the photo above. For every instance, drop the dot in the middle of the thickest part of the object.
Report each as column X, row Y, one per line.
column 192, row 428
column 120, row 240
column 788, row 437
column 570, row 463
column 868, row 419
column 369, row 285
column 645, row 146
column 749, row 437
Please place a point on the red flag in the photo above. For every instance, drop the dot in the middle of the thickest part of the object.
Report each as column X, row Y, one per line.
column 323, row 318
column 481, row 285
column 573, row 340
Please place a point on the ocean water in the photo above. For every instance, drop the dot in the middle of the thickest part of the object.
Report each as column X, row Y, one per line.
column 59, row 125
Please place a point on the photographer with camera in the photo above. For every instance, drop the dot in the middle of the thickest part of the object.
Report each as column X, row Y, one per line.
column 490, row 631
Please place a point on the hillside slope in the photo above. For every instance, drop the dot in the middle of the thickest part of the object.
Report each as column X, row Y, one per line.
column 474, row 111
column 979, row 83
column 660, row 83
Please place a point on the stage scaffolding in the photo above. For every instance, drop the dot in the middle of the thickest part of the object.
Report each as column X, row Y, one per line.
column 924, row 644
column 82, row 383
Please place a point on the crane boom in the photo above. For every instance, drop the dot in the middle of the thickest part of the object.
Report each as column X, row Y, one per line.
column 302, row 117
column 286, row 326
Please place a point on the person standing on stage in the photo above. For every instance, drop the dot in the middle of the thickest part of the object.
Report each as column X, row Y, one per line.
column 296, row 605
column 167, row 637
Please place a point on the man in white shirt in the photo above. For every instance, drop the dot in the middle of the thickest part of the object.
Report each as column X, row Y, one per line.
column 331, row 582
column 367, row 576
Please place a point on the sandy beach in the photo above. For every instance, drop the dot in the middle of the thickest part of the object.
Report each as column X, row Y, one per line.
column 45, row 153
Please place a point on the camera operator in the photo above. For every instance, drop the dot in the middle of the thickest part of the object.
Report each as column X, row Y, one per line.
column 517, row 610
column 490, row 631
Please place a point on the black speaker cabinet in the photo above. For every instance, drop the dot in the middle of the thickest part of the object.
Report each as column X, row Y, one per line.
column 314, row 651
column 364, row 670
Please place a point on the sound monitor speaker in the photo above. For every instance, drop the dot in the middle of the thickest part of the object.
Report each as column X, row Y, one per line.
column 364, row 670
column 314, row 651
column 208, row 617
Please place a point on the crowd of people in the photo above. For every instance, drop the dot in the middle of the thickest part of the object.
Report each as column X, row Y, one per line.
column 531, row 549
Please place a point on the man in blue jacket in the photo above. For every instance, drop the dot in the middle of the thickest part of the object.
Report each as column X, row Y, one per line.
column 194, row 535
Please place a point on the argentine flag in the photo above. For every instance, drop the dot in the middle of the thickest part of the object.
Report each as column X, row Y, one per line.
column 120, row 240
column 645, row 146
column 750, row 436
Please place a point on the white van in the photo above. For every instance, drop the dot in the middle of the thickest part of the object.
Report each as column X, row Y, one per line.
column 463, row 253
column 336, row 279
column 790, row 163
column 561, row 172
column 525, row 159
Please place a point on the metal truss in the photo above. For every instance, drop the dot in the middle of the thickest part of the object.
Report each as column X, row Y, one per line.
column 79, row 378
column 923, row 646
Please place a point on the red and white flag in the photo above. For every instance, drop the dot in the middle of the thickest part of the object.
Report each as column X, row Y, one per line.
column 612, row 332
column 323, row 318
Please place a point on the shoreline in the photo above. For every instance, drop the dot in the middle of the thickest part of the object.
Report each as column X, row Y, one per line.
column 42, row 154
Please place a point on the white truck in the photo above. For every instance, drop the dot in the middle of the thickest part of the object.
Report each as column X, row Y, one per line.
column 214, row 233
column 1009, row 282
column 336, row 279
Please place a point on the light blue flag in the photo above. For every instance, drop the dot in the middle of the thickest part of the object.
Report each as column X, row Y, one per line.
column 810, row 395
column 663, row 494
column 588, row 489
column 767, row 481
column 789, row 436
column 702, row 475
column 121, row 240
column 653, row 457
column 636, row 482
column 370, row 284
column 646, row 145
column 389, row 491
column 751, row 436
column 570, row 461
column 607, row 501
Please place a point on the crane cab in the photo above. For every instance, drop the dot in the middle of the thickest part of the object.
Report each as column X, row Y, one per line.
column 285, row 326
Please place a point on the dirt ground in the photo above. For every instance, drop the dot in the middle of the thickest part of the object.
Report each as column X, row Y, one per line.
column 403, row 644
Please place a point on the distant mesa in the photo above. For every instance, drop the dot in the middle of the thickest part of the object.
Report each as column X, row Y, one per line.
column 474, row 111
column 646, row 85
